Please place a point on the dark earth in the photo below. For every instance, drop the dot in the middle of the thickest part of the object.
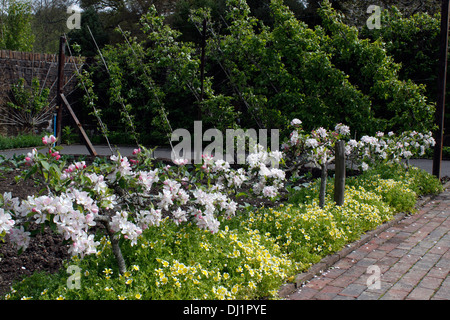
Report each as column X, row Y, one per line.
column 46, row 251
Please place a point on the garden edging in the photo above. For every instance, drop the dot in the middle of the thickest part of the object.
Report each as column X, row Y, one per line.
column 318, row 268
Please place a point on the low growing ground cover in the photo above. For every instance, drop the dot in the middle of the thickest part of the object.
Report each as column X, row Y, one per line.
column 252, row 254
column 20, row 141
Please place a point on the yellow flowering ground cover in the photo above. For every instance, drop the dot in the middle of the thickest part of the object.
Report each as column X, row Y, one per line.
column 307, row 232
column 250, row 257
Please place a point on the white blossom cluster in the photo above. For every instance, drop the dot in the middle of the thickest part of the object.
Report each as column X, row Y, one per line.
column 317, row 147
column 389, row 147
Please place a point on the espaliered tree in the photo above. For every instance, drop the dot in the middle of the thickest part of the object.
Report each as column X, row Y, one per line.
column 260, row 76
column 395, row 103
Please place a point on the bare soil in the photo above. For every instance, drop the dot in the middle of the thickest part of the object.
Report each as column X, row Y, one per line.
column 46, row 251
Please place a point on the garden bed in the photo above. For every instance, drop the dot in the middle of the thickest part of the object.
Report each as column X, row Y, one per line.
column 47, row 252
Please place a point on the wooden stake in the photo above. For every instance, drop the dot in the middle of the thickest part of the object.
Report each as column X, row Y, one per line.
column 339, row 178
column 86, row 140
column 442, row 82
column 60, row 86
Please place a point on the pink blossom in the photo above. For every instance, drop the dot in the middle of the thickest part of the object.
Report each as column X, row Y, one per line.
column 6, row 222
column 136, row 151
column 269, row 192
column 30, row 156
column 56, row 155
column 48, row 139
column 181, row 162
column 80, row 165
column 179, row 216
column 20, row 238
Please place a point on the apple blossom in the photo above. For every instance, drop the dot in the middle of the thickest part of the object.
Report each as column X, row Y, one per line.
column 294, row 138
column 342, row 129
column 31, row 156
column 269, row 192
column 321, row 132
column 181, row 162
column 147, row 179
column 179, row 216
column 147, row 218
column 48, row 139
column 19, row 237
column 84, row 245
column 137, row 151
column 220, row 166
column 311, row 143
column 6, row 222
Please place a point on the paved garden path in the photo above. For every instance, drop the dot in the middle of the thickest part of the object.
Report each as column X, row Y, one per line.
column 409, row 260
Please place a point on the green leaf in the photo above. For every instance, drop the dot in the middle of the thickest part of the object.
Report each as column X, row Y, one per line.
column 30, row 172
column 241, row 194
column 45, row 165
column 58, row 148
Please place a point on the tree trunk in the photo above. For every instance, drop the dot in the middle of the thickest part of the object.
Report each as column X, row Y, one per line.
column 116, row 249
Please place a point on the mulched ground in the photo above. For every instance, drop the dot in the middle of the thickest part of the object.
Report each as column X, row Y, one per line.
column 46, row 251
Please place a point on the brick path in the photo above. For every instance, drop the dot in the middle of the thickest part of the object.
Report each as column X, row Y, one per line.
column 412, row 259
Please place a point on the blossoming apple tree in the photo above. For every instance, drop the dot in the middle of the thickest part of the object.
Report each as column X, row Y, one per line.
column 388, row 147
column 126, row 197
column 317, row 148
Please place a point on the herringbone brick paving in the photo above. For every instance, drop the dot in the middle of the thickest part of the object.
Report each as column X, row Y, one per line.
column 408, row 261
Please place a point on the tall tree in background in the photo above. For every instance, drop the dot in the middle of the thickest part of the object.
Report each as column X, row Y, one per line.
column 126, row 14
column 355, row 11
column 260, row 9
column 89, row 21
column 15, row 28
column 49, row 23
